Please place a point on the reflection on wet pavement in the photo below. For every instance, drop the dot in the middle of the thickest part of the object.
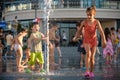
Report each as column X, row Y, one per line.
column 69, row 70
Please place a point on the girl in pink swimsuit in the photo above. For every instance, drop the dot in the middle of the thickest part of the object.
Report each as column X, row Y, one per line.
column 108, row 50
column 90, row 25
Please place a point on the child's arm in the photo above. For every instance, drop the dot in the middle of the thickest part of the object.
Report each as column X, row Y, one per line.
column 26, row 60
column 101, row 33
column 33, row 36
column 46, row 39
column 43, row 37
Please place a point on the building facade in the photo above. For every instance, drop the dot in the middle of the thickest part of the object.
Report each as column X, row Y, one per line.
column 65, row 12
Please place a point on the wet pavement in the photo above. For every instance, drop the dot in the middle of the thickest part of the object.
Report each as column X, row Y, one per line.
column 68, row 70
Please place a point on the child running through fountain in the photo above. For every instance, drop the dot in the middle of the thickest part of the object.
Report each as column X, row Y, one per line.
column 108, row 50
column 90, row 26
column 52, row 39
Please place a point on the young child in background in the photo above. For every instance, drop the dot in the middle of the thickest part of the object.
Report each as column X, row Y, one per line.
column 90, row 26
column 81, row 48
column 17, row 46
column 52, row 40
column 108, row 50
column 57, row 45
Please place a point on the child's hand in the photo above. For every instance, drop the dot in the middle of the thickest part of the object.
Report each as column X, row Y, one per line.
column 104, row 44
column 74, row 39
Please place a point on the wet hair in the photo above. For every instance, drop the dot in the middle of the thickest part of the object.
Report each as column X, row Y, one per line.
column 107, row 33
column 91, row 9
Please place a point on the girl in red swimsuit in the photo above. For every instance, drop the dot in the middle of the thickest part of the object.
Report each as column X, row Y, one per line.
column 90, row 25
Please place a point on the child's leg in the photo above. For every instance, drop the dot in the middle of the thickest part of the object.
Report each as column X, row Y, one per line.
column 17, row 61
column 111, row 58
column 40, row 60
column 32, row 67
column 82, row 59
column 19, row 58
column 41, row 66
column 88, row 54
column 32, row 60
column 84, row 55
column 59, row 61
column 51, row 57
column 59, row 51
column 107, row 57
column 92, row 58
